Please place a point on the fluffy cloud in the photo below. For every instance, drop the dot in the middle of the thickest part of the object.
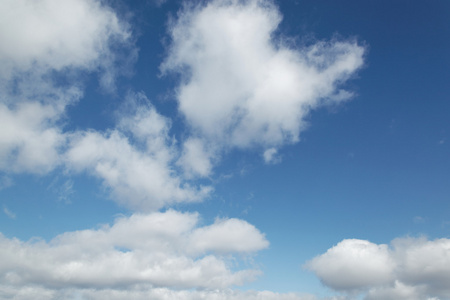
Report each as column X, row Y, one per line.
column 44, row 45
column 412, row 268
column 53, row 35
column 135, row 160
column 363, row 263
column 155, row 250
column 29, row 139
column 241, row 86
column 196, row 159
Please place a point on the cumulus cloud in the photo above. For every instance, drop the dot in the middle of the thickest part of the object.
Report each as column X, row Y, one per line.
column 46, row 35
column 135, row 160
column 410, row 268
column 227, row 236
column 153, row 250
column 241, row 86
column 29, row 139
column 363, row 263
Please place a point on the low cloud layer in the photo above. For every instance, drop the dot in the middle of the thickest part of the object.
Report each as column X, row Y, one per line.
column 156, row 250
column 143, row 293
column 410, row 268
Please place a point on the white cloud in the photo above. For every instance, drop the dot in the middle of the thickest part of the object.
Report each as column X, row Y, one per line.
column 228, row 236
column 53, row 35
column 396, row 291
column 411, row 268
column 354, row 264
column 29, row 139
column 271, row 157
column 145, row 293
column 45, row 42
column 196, row 160
column 154, row 250
column 241, row 86
column 139, row 173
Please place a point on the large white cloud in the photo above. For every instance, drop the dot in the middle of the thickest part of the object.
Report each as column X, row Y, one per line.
column 411, row 268
column 156, row 250
column 242, row 86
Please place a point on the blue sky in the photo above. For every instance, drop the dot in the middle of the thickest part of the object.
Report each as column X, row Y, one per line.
column 224, row 149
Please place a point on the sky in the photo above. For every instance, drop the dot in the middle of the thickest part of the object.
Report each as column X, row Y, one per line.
column 224, row 149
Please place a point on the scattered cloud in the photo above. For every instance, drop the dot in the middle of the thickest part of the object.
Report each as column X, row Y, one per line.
column 410, row 268
column 241, row 86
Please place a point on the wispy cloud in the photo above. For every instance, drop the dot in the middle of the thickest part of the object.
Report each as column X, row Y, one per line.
column 9, row 213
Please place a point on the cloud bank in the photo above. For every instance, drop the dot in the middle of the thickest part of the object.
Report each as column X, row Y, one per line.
column 167, row 249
